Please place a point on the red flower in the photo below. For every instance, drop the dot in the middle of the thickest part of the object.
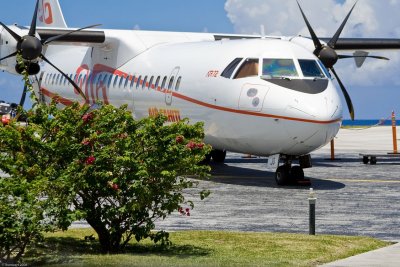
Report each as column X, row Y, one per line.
column 115, row 187
column 179, row 139
column 5, row 119
column 191, row 145
column 188, row 214
column 187, row 210
column 87, row 117
column 200, row 145
column 90, row 160
column 86, row 142
column 180, row 210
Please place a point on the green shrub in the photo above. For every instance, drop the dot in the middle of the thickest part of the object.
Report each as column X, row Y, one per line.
column 102, row 165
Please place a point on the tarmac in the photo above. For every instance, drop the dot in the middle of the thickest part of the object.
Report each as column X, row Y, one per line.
column 379, row 141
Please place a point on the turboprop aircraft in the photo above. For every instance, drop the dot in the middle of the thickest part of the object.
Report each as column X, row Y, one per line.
column 261, row 95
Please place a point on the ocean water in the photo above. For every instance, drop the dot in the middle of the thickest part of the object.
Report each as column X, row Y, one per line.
column 383, row 122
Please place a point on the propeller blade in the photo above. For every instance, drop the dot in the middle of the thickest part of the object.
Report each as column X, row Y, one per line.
column 11, row 55
column 52, row 39
column 317, row 43
column 32, row 30
column 348, row 56
column 346, row 95
column 13, row 34
column 23, row 97
column 335, row 38
column 66, row 76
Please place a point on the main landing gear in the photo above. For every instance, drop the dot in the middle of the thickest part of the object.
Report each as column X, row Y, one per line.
column 287, row 174
column 217, row 156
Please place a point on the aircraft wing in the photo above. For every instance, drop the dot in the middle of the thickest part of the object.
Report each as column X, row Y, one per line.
column 83, row 37
column 365, row 43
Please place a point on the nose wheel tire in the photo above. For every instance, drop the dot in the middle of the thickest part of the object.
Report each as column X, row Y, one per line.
column 286, row 175
column 297, row 173
column 282, row 175
column 218, row 156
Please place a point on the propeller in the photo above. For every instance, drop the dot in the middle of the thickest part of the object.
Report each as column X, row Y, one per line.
column 23, row 97
column 30, row 47
column 329, row 57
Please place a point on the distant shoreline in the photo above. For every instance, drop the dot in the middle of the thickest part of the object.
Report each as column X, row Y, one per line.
column 387, row 122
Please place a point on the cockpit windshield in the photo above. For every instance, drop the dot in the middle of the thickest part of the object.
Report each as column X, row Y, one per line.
column 278, row 68
column 310, row 68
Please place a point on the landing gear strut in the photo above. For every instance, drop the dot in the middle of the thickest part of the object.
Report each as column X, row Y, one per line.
column 218, row 156
column 288, row 174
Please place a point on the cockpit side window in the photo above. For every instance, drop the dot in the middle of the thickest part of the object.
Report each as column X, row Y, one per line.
column 310, row 68
column 249, row 68
column 227, row 73
column 278, row 68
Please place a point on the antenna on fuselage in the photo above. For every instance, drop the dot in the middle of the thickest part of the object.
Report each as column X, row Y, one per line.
column 262, row 31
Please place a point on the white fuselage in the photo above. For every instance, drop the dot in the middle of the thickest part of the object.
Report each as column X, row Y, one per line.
column 249, row 115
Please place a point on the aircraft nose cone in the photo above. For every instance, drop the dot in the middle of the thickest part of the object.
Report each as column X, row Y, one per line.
column 322, row 119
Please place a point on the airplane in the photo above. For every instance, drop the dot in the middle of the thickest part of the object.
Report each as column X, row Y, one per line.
column 269, row 96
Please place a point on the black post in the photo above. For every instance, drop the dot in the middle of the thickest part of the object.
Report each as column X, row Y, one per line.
column 312, row 201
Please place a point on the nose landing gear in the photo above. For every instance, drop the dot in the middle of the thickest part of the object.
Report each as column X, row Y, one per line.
column 293, row 175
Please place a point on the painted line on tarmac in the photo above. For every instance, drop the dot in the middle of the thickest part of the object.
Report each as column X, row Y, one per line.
column 365, row 181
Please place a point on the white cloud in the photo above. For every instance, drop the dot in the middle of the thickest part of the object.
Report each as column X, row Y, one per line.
column 370, row 18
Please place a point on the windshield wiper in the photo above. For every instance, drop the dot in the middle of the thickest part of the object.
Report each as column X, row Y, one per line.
column 269, row 77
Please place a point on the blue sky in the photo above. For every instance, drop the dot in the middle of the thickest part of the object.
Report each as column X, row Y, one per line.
column 374, row 89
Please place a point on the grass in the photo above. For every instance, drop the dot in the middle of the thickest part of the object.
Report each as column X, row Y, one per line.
column 203, row 248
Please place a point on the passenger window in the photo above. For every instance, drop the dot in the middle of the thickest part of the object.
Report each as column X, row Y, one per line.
column 227, row 73
column 84, row 79
column 126, row 81
column 79, row 79
column 278, row 68
column 151, row 82
column 58, row 78
column 96, row 80
column 171, row 82
column 178, row 83
column 248, row 69
column 157, row 82
column 138, row 82
column 109, row 80
column 121, row 81
column 133, row 81
column 144, row 82
column 54, row 78
column 115, row 81
column 163, row 83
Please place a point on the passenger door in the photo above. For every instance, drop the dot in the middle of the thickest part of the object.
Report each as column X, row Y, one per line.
column 171, row 82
